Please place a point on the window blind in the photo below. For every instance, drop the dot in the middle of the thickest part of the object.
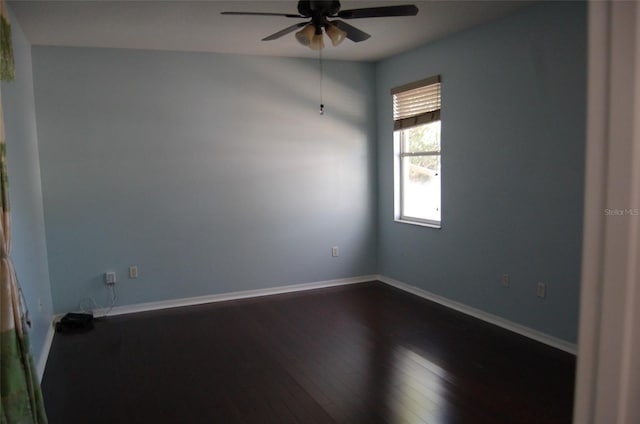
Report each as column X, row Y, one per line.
column 416, row 103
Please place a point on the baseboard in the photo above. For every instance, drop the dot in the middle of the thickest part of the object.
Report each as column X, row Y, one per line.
column 484, row 316
column 44, row 354
column 199, row 300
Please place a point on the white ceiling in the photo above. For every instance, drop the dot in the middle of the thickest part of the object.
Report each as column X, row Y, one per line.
column 198, row 26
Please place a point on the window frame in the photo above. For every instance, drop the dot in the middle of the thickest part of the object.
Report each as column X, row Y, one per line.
column 400, row 153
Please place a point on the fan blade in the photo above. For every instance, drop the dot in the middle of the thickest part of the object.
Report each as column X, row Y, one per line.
column 286, row 15
column 284, row 31
column 353, row 33
column 379, row 12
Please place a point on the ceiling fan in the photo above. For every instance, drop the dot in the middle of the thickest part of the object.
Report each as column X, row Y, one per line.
column 337, row 30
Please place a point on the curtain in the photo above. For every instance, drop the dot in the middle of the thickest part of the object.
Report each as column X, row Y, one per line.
column 19, row 388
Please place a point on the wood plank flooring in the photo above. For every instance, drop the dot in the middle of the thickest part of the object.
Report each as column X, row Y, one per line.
column 362, row 354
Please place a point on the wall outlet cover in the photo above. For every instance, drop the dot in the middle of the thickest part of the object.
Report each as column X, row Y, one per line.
column 541, row 291
column 133, row 272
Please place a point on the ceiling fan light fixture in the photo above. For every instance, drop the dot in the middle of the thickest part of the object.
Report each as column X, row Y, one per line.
column 305, row 35
column 317, row 42
column 335, row 34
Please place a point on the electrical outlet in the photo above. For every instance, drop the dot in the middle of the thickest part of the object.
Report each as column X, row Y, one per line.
column 334, row 251
column 133, row 271
column 505, row 280
column 541, row 291
column 109, row 278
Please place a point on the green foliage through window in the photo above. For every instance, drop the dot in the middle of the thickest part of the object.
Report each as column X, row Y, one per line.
column 423, row 139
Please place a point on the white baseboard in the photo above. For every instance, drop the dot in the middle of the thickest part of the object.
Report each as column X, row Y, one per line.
column 484, row 316
column 199, row 300
column 44, row 354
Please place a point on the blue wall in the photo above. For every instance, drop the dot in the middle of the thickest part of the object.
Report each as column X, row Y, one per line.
column 513, row 131
column 213, row 173
column 29, row 249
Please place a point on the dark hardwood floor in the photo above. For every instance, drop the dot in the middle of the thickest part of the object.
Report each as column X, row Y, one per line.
column 365, row 353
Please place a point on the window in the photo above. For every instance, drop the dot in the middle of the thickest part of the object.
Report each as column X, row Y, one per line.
column 416, row 115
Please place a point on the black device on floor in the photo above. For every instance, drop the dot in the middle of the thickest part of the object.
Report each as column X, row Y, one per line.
column 75, row 323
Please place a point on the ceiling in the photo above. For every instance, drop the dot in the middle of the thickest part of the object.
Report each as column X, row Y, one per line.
column 198, row 26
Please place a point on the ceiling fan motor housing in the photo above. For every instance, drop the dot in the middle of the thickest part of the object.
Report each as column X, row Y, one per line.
column 309, row 8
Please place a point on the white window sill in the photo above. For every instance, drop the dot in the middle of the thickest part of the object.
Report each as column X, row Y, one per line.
column 418, row 223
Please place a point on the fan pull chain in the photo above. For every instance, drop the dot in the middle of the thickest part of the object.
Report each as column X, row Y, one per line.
column 321, row 102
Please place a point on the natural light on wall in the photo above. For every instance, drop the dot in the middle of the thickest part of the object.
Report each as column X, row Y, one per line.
column 416, row 115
